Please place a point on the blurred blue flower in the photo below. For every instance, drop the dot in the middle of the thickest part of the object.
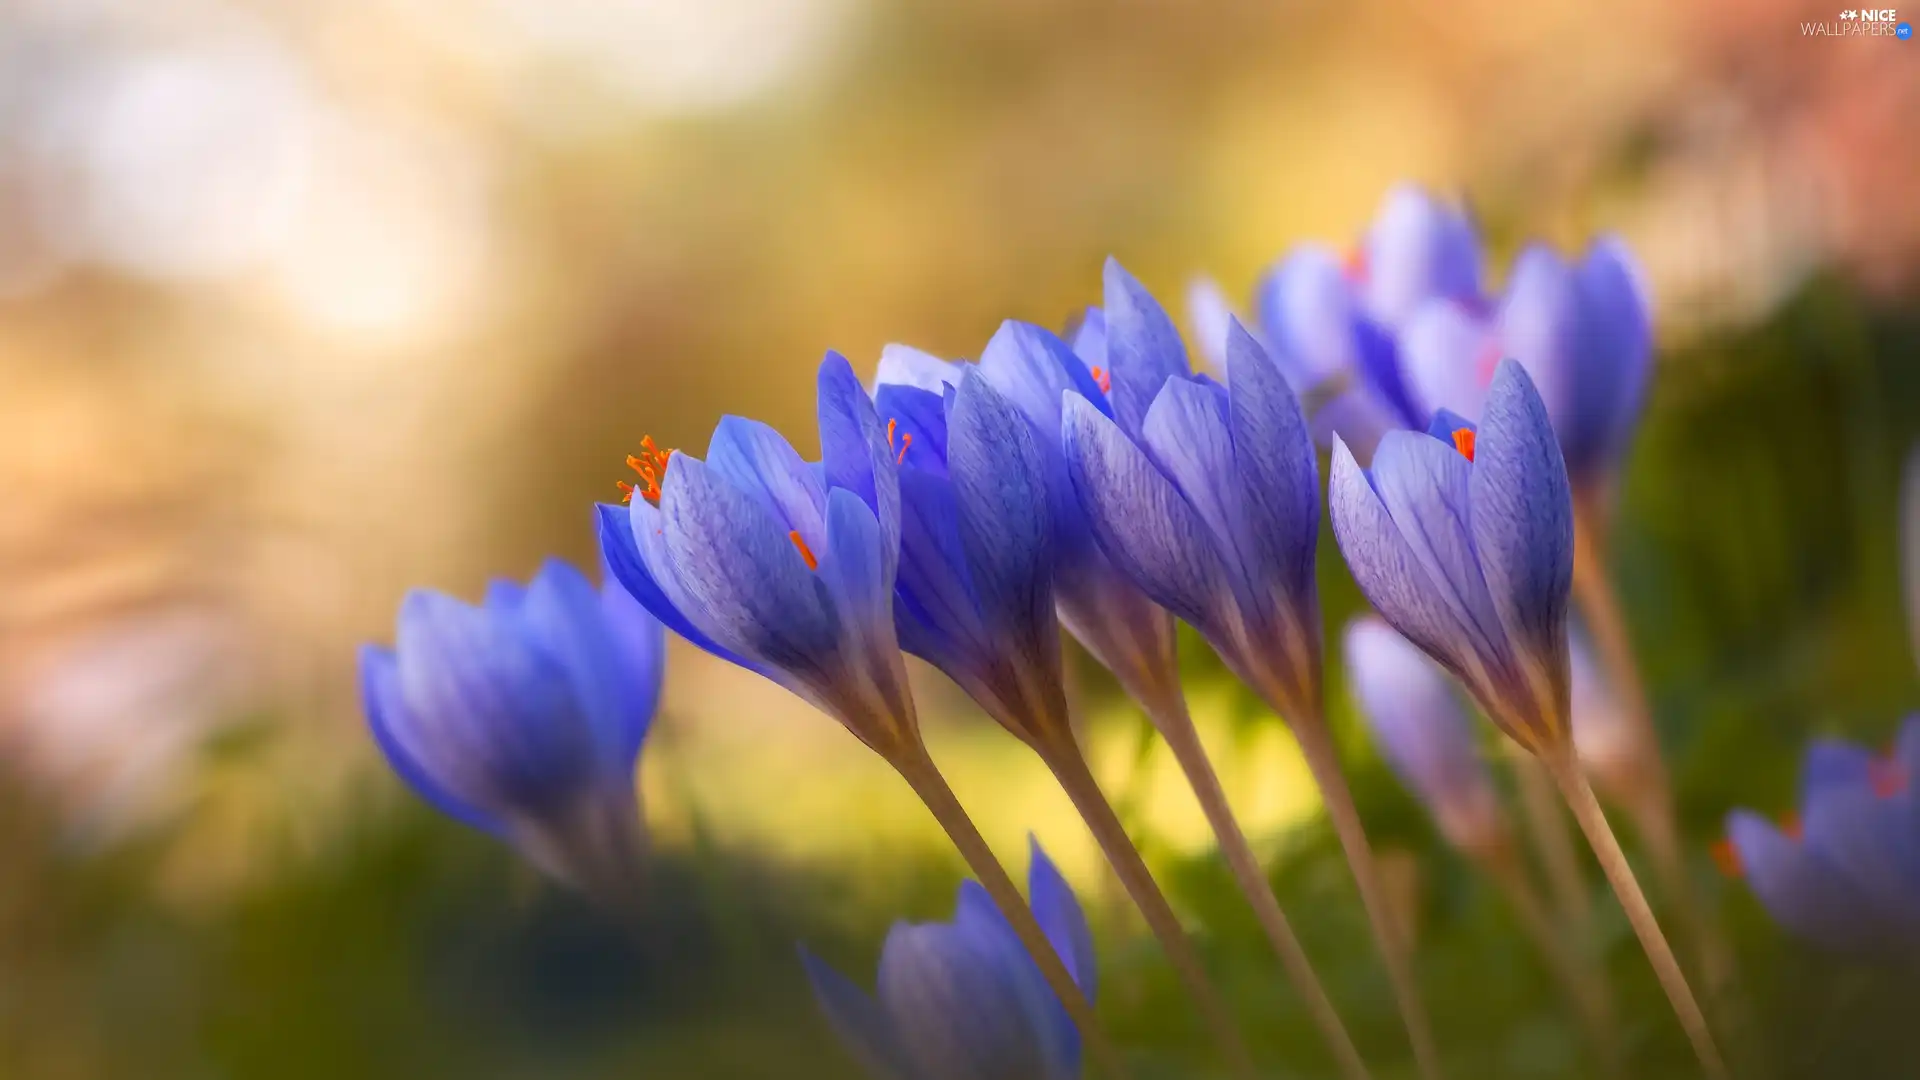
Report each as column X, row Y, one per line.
column 782, row 566
column 1582, row 331
column 1205, row 495
column 1462, row 538
column 1424, row 734
column 1418, row 249
column 1846, row 875
column 1027, row 369
column 961, row 1000
column 524, row 717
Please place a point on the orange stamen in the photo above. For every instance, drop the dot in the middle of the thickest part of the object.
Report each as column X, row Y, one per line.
column 1727, row 857
column 805, row 551
column 906, row 441
column 1355, row 268
column 1463, row 439
column 651, row 465
column 1104, row 378
column 1889, row 779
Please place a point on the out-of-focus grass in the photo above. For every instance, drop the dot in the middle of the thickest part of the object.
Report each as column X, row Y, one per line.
column 1757, row 549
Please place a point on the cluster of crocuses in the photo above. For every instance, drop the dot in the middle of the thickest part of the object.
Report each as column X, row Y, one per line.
column 964, row 512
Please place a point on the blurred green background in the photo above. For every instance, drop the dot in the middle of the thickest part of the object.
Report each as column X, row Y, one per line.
column 302, row 304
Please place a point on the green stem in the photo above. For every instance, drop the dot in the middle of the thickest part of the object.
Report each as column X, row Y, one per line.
column 1584, row 985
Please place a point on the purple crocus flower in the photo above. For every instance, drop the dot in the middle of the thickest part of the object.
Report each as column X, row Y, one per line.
column 782, row 566
column 1424, row 734
column 1205, row 495
column 1027, row 369
column 1418, row 249
column 1462, row 538
column 961, row 1000
column 524, row 717
column 1846, row 876
column 1582, row 331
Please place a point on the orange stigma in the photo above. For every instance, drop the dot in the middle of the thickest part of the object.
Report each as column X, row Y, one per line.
column 1104, row 378
column 1463, row 442
column 906, row 442
column 1355, row 268
column 805, row 551
column 1889, row 778
column 651, row 465
column 1727, row 857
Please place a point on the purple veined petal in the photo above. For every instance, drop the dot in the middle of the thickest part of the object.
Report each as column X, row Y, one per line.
column 1798, row 889
column 1869, row 840
column 854, row 453
column 1187, row 437
column 1061, row 917
column 406, row 749
column 1426, row 487
column 563, row 614
column 1418, row 248
column 1089, row 339
column 904, row 365
column 478, row 686
column 1143, row 348
column 1277, row 467
column 1208, row 313
column 1140, row 519
column 757, row 461
column 1031, row 367
column 1522, row 520
column 936, row 609
column 1310, row 317
column 1389, row 575
column 641, row 641
column 957, row 1011
column 619, row 527
column 1000, row 491
column 1910, row 546
column 916, row 423
column 1444, row 354
column 852, row 568
column 749, row 586
column 857, row 1021
column 1832, row 764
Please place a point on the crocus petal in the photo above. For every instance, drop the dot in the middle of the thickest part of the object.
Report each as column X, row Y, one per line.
column 854, row 453
column 758, row 462
column 1426, row 486
column 999, row 484
column 641, row 641
column 1208, row 313
column 503, row 707
column 852, row 568
column 1442, row 353
column 1143, row 348
column 1142, row 522
column 1418, row 248
column 1522, row 518
column 1278, row 468
column 958, row 1015
column 937, row 612
column 1910, row 543
column 1031, row 368
column 1309, row 317
column 1616, row 342
column 904, row 365
column 1186, row 434
column 406, row 749
column 1059, row 914
column 750, row 589
column 917, row 421
column 1089, row 338
column 1831, row 764
column 1906, row 751
column 857, row 1020
column 1868, row 839
column 1797, row 888
column 1389, row 575
column 563, row 613
column 618, row 526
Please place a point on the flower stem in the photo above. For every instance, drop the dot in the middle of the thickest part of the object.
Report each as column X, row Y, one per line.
column 924, row 777
column 1593, row 821
column 1316, row 744
column 1584, row 985
column 1552, row 841
column 1176, row 726
column 1070, row 768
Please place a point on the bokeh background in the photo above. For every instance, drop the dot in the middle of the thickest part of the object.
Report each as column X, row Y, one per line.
column 306, row 302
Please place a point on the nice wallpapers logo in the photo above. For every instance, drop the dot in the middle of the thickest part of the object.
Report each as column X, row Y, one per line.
column 1861, row 22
